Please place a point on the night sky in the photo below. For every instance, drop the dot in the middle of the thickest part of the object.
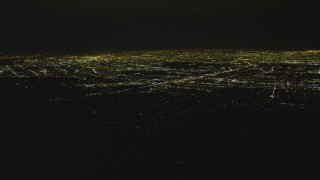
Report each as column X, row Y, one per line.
column 154, row 24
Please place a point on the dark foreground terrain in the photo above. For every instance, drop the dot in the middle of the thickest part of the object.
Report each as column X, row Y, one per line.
column 161, row 115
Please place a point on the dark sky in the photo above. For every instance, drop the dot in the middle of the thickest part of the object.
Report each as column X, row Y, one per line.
column 149, row 24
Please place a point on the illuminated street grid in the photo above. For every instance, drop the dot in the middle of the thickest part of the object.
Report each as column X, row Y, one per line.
column 290, row 78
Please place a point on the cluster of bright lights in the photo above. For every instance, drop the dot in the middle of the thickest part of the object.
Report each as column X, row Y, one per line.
column 168, row 71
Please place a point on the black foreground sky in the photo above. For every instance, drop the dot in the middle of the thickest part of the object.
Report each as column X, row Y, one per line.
column 158, row 24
